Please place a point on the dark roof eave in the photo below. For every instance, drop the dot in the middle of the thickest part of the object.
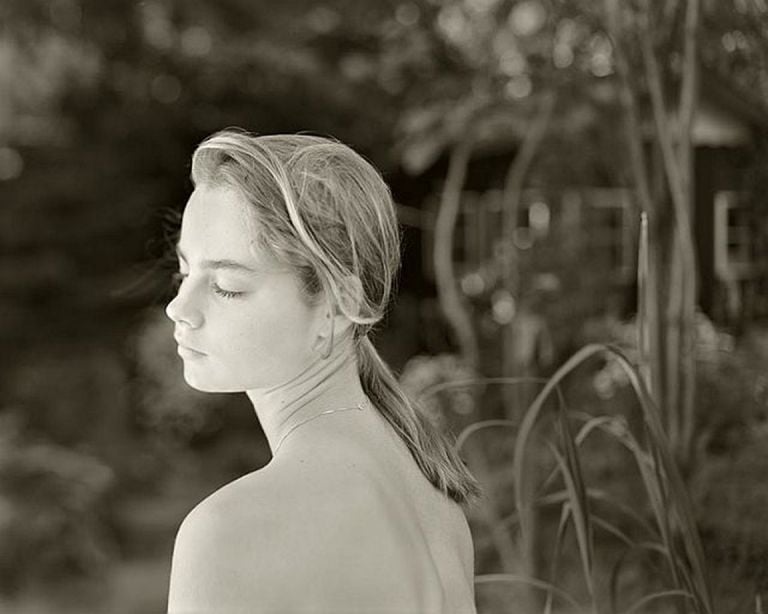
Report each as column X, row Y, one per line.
column 734, row 99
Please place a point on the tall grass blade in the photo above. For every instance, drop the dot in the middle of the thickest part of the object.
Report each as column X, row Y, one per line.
column 613, row 530
column 689, row 534
column 539, row 584
column 655, row 596
column 473, row 428
column 581, row 523
column 561, row 527
column 691, row 542
column 592, row 423
column 524, row 434
column 581, row 513
column 561, row 496
column 647, row 467
column 478, row 381
column 602, row 496
column 643, row 298
column 667, row 494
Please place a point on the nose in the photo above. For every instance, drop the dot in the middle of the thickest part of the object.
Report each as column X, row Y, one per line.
column 181, row 309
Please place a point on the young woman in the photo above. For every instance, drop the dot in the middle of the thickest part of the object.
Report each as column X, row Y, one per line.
column 288, row 250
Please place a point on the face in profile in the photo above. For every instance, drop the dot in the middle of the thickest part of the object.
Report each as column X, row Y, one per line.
column 239, row 318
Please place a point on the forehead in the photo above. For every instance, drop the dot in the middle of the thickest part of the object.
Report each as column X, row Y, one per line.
column 217, row 223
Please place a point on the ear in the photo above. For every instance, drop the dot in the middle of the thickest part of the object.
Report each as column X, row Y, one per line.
column 332, row 322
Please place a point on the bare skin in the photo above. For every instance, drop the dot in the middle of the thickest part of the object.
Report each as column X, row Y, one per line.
column 333, row 524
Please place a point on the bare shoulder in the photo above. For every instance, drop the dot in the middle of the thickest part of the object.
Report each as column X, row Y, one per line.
column 294, row 537
column 206, row 574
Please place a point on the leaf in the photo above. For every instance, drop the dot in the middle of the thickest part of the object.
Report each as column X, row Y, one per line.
column 653, row 597
column 562, row 525
column 516, row 579
column 581, row 518
column 681, row 505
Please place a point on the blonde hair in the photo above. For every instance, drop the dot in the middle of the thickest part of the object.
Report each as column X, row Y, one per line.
column 326, row 212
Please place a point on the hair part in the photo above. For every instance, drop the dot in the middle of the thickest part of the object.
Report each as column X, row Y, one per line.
column 326, row 212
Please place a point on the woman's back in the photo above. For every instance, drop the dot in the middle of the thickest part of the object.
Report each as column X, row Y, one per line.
column 331, row 526
column 432, row 516
column 433, row 525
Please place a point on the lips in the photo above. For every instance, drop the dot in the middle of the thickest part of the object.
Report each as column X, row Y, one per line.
column 188, row 353
column 188, row 348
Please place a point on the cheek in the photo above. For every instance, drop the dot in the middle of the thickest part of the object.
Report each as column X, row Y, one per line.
column 272, row 330
column 267, row 350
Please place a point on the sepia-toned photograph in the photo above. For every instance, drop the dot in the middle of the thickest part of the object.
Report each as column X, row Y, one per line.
column 383, row 307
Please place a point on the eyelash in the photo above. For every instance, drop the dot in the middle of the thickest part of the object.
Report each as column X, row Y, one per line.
column 179, row 277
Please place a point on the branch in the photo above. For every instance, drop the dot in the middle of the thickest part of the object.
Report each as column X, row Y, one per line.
column 689, row 87
column 514, row 181
column 676, row 182
column 628, row 99
column 451, row 300
column 688, row 97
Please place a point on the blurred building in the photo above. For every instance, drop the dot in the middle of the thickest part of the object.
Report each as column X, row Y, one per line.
column 581, row 227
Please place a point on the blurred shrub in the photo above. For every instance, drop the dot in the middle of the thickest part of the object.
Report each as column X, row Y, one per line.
column 727, row 480
column 598, row 514
column 731, row 499
column 73, row 394
column 445, row 407
column 52, row 507
column 732, row 387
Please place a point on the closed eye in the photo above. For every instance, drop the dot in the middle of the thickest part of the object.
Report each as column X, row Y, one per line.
column 178, row 277
column 225, row 293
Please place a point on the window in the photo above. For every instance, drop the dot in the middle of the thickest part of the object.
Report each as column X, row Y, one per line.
column 610, row 228
column 599, row 222
column 480, row 224
column 735, row 243
column 483, row 223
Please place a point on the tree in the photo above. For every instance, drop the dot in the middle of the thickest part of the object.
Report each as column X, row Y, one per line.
column 688, row 36
column 481, row 72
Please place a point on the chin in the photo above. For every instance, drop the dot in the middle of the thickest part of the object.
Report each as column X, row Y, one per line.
column 202, row 383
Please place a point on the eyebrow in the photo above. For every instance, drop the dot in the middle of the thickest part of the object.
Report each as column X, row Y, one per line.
column 232, row 265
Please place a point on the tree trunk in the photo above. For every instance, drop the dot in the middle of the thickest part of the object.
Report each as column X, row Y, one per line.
column 688, row 104
column 668, row 359
column 514, row 400
column 451, row 301
column 681, row 308
column 649, row 342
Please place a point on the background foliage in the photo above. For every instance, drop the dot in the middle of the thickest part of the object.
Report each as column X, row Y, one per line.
column 103, row 449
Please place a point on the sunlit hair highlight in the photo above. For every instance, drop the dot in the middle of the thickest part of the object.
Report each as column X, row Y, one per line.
column 324, row 211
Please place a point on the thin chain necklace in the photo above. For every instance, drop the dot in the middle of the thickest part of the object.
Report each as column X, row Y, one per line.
column 360, row 406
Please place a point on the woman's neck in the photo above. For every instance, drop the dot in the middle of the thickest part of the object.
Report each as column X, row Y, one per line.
column 326, row 384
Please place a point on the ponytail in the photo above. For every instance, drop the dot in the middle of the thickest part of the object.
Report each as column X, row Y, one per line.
column 433, row 452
